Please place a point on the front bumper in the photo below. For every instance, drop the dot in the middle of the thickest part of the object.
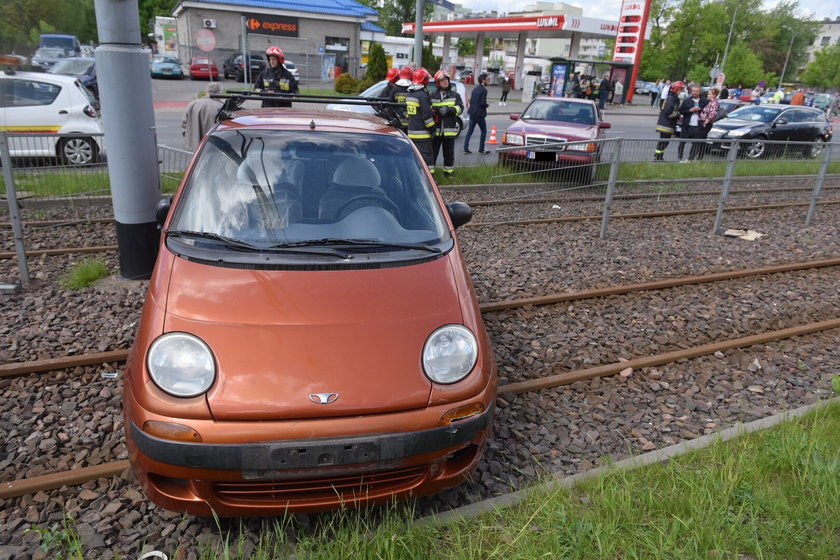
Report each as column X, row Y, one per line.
column 532, row 156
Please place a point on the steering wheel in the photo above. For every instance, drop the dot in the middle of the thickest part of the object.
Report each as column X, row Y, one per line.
column 368, row 199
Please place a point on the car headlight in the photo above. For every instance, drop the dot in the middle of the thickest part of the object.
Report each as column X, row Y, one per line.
column 514, row 139
column 449, row 354
column 738, row 132
column 580, row 147
column 181, row 364
column 716, row 133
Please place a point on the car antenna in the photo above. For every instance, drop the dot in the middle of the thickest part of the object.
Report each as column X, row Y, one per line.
column 312, row 124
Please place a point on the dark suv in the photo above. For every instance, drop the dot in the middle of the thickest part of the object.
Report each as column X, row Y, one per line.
column 234, row 68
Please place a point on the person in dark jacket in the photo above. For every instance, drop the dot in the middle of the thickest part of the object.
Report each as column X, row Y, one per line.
column 446, row 105
column 668, row 116
column 421, row 120
column 400, row 92
column 275, row 78
column 478, row 115
column 691, row 125
column 392, row 77
column 604, row 92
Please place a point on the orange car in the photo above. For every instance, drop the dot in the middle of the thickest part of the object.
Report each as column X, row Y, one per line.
column 310, row 337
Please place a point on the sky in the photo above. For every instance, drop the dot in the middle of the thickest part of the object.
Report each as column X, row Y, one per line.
column 609, row 9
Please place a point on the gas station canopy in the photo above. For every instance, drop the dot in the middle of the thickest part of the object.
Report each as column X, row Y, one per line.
column 538, row 26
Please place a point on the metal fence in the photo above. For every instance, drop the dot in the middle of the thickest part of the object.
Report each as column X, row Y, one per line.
column 606, row 178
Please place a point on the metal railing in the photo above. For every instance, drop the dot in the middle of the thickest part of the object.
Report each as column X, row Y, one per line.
column 609, row 177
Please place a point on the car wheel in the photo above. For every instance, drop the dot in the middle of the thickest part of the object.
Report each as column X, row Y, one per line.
column 78, row 151
column 239, row 77
column 460, row 125
column 756, row 149
column 815, row 149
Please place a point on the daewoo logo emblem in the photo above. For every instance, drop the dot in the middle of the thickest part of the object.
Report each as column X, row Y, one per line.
column 323, row 398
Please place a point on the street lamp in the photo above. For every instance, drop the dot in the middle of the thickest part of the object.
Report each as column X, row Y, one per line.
column 729, row 37
column 784, row 68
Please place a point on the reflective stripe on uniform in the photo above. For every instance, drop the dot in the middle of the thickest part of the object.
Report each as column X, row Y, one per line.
column 419, row 135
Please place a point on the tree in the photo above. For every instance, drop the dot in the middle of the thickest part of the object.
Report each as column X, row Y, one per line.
column 151, row 8
column 23, row 21
column 377, row 65
column 394, row 13
column 824, row 71
column 429, row 61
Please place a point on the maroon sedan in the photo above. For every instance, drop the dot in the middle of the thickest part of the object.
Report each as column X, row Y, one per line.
column 202, row 68
column 545, row 130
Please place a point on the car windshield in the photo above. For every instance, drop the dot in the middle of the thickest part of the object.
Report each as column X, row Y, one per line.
column 278, row 191
column 289, row 65
column 57, row 42
column 50, row 53
column 560, row 111
column 201, row 61
column 165, row 60
column 755, row 113
column 375, row 90
column 72, row 66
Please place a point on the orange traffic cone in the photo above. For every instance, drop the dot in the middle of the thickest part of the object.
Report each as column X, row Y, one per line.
column 493, row 140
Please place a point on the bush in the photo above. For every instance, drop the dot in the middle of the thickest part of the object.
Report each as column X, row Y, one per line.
column 345, row 83
column 366, row 83
column 377, row 67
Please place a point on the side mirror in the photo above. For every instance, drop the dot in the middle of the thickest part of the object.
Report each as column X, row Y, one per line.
column 603, row 124
column 514, row 116
column 162, row 210
column 780, row 122
column 460, row 213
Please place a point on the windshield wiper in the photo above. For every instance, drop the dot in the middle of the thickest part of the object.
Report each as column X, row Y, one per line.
column 358, row 243
column 242, row 245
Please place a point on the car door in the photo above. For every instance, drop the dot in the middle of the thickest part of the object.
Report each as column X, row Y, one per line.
column 788, row 125
column 34, row 107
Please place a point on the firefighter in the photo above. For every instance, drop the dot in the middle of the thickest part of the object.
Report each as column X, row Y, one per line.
column 421, row 121
column 275, row 78
column 392, row 77
column 446, row 105
column 399, row 93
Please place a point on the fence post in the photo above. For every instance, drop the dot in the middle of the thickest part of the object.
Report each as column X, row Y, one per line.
column 615, row 160
column 818, row 187
column 11, row 195
column 727, row 183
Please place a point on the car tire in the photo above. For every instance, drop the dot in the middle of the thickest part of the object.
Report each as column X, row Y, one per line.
column 78, row 150
column 757, row 149
column 814, row 150
column 239, row 76
column 460, row 125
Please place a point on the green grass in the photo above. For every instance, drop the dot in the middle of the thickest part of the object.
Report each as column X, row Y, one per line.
column 84, row 274
column 43, row 183
column 326, row 90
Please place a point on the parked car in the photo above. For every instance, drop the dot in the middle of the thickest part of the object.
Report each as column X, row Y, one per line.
column 165, row 66
column 820, row 101
column 68, row 43
column 203, row 68
column 374, row 91
column 80, row 67
column 729, row 105
column 292, row 68
column 45, row 57
column 53, row 104
column 310, row 339
column 776, row 122
column 543, row 128
column 233, row 66
column 645, row 87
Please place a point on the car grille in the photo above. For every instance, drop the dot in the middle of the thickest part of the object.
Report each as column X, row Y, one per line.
column 547, row 143
column 321, row 490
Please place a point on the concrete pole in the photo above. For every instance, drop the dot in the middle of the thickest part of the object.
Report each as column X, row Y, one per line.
column 418, row 33
column 518, row 79
column 447, row 40
column 479, row 55
column 126, row 97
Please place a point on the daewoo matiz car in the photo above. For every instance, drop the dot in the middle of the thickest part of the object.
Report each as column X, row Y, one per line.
column 310, row 338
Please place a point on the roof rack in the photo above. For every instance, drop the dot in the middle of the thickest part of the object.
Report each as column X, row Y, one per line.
column 234, row 100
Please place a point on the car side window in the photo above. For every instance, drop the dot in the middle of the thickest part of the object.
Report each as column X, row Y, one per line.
column 26, row 93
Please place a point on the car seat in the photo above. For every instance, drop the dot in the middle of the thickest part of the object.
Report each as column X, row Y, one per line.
column 355, row 184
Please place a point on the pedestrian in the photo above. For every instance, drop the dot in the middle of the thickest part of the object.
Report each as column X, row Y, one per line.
column 778, row 96
column 834, row 107
column 656, row 92
column 446, row 105
column 708, row 115
column 690, row 109
column 724, row 92
column 664, row 91
column 618, row 90
column 274, row 78
column 798, row 98
column 478, row 115
column 575, row 86
column 421, row 121
column 200, row 116
column 668, row 116
column 505, row 89
column 400, row 92
column 603, row 92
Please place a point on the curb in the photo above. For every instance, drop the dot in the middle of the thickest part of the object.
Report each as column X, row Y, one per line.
column 488, row 506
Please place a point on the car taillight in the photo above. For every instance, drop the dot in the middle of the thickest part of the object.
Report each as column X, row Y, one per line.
column 90, row 111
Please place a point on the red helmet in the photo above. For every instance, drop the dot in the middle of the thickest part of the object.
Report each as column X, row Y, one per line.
column 677, row 86
column 441, row 74
column 405, row 73
column 393, row 74
column 420, row 77
column 275, row 51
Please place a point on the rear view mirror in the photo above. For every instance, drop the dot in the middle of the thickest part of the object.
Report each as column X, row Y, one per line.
column 604, row 125
column 514, row 116
column 162, row 210
column 460, row 213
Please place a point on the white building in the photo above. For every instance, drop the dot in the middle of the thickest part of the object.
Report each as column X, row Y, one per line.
column 828, row 35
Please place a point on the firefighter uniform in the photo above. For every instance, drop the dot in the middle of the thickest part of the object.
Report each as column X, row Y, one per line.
column 398, row 95
column 447, row 105
column 421, row 122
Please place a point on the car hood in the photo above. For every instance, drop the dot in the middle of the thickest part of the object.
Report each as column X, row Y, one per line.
column 732, row 124
column 280, row 337
column 571, row 131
